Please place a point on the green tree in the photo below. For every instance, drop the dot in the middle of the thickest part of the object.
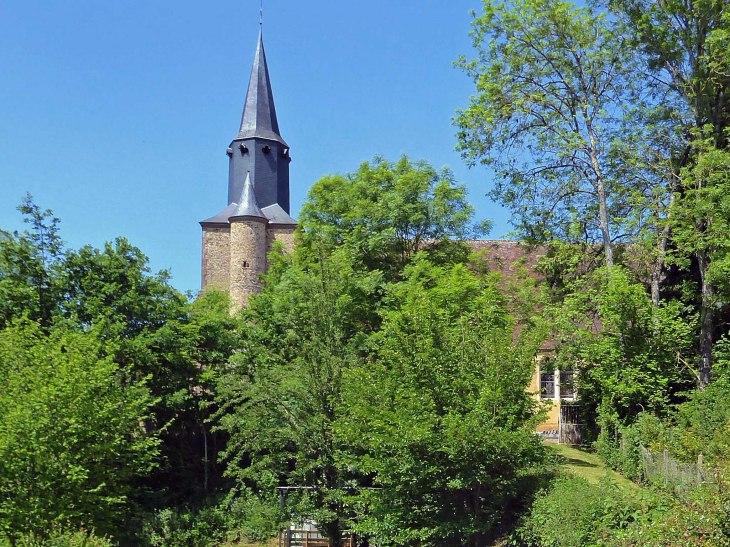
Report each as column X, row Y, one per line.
column 552, row 86
column 385, row 212
column 149, row 330
column 701, row 225
column 27, row 266
column 686, row 46
column 280, row 396
column 73, row 431
column 630, row 355
column 439, row 418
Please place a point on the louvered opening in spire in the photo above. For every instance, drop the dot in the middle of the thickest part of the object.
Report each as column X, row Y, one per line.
column 259, row 112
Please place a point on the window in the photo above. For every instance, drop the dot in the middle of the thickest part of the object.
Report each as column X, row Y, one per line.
column 547, row 385
column 567, row 384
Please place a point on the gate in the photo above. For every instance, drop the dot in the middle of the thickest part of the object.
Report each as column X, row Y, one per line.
column 570, row 426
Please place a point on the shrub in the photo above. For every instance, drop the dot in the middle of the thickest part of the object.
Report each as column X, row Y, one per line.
column 699, row 519
column 253, row 518
column 702, row 424
column 184, row 528
column 78, row 538
column 620, row 445
column 573, row 513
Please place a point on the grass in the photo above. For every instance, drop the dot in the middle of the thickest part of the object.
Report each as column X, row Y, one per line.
column 589, row 466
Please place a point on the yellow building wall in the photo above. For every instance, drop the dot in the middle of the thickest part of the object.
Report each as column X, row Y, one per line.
column 550, row 427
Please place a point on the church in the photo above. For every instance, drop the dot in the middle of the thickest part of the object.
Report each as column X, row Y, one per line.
column 237, row 240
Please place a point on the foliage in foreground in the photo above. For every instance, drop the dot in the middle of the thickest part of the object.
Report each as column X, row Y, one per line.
column 441, row 419
column 574, row 513
column 698, row 426
column 73, row 432
column 59, row 538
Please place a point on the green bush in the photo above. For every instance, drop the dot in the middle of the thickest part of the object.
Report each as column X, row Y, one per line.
column 702, row 425
column 245, row 518
column 184, row 528
column 253, row 518
column 620, row 446
column 573, row 513
column 700, row 518
column 78, row 538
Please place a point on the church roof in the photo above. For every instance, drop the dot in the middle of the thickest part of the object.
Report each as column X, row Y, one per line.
column 247, row 205
column 277, row 215
column 259, row 113
column 223, row 216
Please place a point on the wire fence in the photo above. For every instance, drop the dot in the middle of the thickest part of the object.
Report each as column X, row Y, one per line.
column 662, row 468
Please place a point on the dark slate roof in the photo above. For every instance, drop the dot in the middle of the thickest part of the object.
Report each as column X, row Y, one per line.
column 277, row 215
column 223, row 216
column 259, row 113
column 247, row 205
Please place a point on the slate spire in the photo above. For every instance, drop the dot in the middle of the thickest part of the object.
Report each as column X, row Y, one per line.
column 259, row 112
column 247, row 205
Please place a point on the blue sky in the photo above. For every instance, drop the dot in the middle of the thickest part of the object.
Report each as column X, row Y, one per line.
column 117, row 115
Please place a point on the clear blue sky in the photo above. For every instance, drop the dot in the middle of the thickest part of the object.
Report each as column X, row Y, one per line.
column 117, row 115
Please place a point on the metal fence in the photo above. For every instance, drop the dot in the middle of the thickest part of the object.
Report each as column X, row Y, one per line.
column 310, row 538
column 662, row 468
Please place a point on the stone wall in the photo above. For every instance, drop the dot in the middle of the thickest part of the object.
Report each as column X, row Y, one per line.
column 280, row 232
column 247, row 259
column 216, row 256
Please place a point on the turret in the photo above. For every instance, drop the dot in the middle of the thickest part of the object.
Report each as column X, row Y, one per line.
column 248, row 247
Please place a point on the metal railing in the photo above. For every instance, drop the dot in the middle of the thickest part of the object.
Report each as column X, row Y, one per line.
column 310, row 538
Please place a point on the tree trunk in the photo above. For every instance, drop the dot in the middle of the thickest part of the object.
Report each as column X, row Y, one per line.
column 334, row 534
column 658, row 266
column 603, row 219
column 707, row 320
column 602, row 201
column 480, row 538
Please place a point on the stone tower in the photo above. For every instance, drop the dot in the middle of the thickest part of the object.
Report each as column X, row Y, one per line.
column 237, row 240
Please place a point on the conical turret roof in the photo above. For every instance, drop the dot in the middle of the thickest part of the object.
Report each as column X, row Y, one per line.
column 248, row 206
column 259, row 112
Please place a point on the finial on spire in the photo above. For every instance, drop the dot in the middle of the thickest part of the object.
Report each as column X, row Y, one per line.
column 261, row 14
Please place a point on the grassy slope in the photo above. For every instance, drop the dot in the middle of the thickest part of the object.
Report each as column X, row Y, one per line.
column 589, row 466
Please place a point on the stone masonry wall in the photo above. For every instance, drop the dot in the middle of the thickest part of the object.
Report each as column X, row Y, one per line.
column 247, row 260
column 216, row 256
column 283, row 233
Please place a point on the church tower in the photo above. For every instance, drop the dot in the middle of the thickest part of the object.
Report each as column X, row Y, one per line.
column 258, row 147
column 237, row 240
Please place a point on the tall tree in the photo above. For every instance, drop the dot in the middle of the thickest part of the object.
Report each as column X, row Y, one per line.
column 280, row 396
column 686, row 45
column 439, row 417
column 701, row 227
column 552, row 81
column 28, row 261
column 74, row 431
